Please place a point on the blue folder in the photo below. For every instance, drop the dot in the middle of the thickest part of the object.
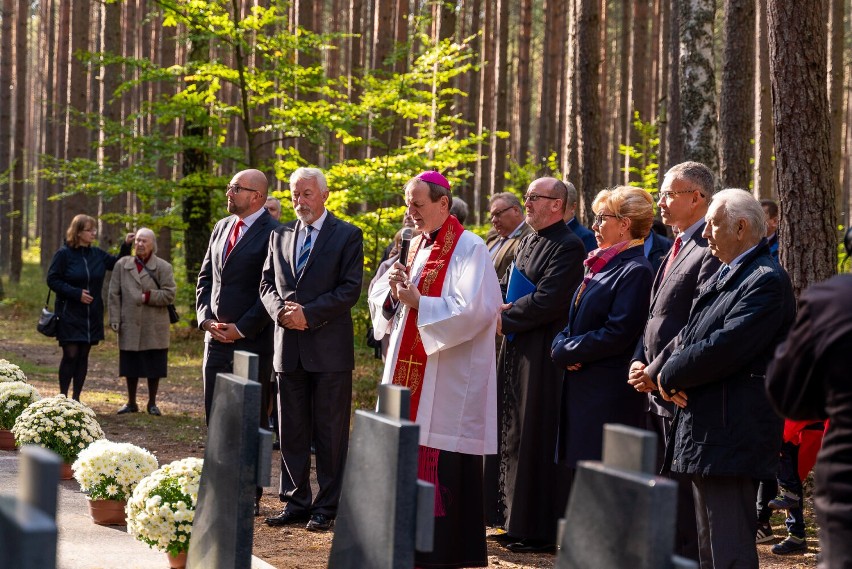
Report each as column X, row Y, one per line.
column 519, row 286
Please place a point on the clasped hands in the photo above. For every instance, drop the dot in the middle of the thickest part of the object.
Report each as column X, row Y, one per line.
column 293, row 316
column 225, row 333
column 401, row 288
column 642, row 382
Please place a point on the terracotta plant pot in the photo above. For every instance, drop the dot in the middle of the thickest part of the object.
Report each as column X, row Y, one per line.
column 65, row 472
column 7, row 440
column 108, row 512
column 177, row 561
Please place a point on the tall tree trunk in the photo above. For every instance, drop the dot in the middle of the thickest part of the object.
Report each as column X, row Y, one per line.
column 698, row 82
column 623, row 123
column 836, row 29
column 7, row 56
column 663, row 84
column 22, row 16
column 550, row 75
column 48, row 209
column 111, row 112
column 588, row 64
column 499, row 145
column 165, row 166
column 355, row 67
column 482, row 188
column 63, row 39
column 674, row 126
column 524, row 86
column 78, row 100
column 803, row 172
column 638, row 87
column 306, row 18
column 570, row 158
column 736, row 110
column 763, row 127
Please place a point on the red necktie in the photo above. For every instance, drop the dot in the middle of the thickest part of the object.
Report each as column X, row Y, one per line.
column 235, row 234
column 675, row 250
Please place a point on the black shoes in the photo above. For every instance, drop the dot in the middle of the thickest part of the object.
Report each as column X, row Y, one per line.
column 286, row 518
column 128, row 408
column 531, row 546
column 154, row 410
column 320, row 522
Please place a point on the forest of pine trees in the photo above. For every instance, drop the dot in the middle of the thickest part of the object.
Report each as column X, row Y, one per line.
column 139, row 111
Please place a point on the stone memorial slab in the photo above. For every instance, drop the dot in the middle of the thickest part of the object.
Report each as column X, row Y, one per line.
column 223, row 529
column 28, row 523
column 619, row 514
column 385, row 512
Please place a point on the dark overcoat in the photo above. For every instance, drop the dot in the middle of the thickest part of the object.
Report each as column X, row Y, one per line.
column 602, row 332
column 73, row 270
column 728, row 427
column 529, row 383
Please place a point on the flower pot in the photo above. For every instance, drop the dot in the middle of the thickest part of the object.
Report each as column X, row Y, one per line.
column 177, row 561
column 7, row 440
column 65, row 472
column 107, row 512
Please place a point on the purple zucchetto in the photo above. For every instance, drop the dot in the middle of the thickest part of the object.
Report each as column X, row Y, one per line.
column 433, row 177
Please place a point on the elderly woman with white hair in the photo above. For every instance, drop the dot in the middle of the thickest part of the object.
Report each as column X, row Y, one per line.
column 141, row 288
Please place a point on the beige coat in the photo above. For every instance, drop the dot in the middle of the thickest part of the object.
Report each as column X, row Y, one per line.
column 141, row 326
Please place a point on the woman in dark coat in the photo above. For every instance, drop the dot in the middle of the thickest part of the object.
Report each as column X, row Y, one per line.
column 607, row 316
column 76, row 275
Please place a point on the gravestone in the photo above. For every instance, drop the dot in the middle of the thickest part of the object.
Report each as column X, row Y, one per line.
column 28, row 522
column 620, row 514
column 385, row 512
column 237, row 460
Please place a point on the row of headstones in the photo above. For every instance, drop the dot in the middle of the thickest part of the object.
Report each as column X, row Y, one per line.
column 627, row 513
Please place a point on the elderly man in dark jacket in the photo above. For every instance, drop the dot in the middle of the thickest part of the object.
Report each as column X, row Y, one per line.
column 725, row 432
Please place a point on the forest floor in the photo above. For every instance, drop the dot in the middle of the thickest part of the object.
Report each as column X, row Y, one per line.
column 181, row 431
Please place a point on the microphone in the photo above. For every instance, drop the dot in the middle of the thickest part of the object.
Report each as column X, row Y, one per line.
column 407, row 234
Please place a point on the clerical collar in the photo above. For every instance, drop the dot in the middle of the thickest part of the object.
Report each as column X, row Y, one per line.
column 429, row 238
column 551, row 227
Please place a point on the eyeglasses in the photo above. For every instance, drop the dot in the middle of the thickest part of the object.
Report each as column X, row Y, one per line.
column 236, row 189
column 536, row 197
column 667, row 195
column 498, row 213
column 599, row 218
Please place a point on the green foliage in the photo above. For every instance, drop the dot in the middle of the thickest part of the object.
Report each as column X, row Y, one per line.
column 643, row 155
column 520, row 176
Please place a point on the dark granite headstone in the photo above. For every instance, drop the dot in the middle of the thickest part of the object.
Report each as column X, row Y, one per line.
column 385, row 513
column 28, row 533
column 619, row 514
column 223, row 529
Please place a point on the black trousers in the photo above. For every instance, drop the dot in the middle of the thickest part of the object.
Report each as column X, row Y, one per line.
column 219, row 358
column 724, row 514
column 313, row 406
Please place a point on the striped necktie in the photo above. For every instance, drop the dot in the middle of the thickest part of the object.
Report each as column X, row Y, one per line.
column 723, row 271
column 305, row 251
column 675, row 251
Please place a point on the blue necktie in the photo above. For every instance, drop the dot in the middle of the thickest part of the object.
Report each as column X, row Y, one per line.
column 305, row 252
column 724, row 271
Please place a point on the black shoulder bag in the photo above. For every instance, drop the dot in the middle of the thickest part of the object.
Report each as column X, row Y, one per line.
column 48, row 322
column 174, row 317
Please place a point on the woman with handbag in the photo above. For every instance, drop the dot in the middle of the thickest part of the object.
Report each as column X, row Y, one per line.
column 76, row 275
column 140, row 292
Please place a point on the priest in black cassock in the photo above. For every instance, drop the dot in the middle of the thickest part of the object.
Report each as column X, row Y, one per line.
column 548, row 267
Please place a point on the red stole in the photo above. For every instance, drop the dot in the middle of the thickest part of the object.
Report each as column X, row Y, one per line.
column 411, row 358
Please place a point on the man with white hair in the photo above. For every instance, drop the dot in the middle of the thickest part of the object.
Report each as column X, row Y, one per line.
column 724, row 431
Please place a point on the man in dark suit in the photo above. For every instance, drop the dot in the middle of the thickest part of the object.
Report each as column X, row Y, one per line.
column 724, row 431
column 586, row 235
column 508, row 228
column 683, row 202
column 770, row 208
column 311, row 280
column 227, row 304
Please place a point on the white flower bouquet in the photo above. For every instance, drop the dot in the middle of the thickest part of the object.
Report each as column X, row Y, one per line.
column 10, row 372
column 60, row 424
column 109, row 471
column 162, row 507
column 15, row 396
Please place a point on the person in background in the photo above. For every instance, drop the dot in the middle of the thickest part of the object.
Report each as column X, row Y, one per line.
column 140, row 289
column 684, row 198
column 570, row 218
column 76, row 274
column 273, row 206
column 532, row 488
column 724, row 432
column 770, row 208
column 607, row 315
column 459, row 209
column 508, row 227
